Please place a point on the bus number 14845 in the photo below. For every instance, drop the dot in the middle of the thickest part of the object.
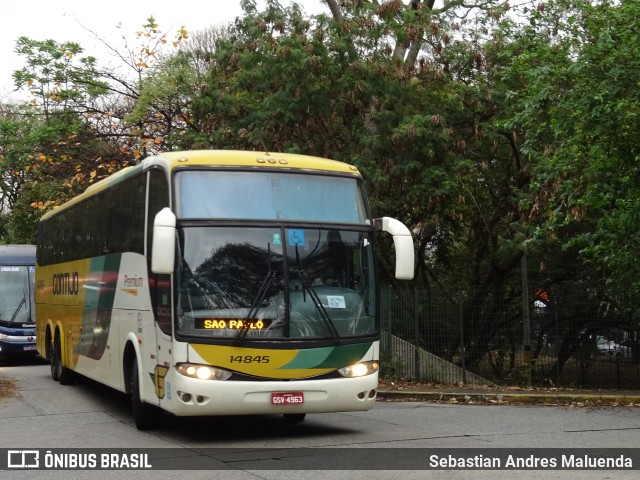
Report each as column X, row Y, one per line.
column 249, row 359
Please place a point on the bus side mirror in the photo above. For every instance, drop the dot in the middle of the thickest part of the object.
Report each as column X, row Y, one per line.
column 163, row 250
column 403, row 242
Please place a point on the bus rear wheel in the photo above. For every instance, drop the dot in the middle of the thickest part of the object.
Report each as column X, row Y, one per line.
column 53, row 361
column 58, row 371
column 145, row 416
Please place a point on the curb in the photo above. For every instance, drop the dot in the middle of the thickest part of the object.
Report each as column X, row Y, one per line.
column 620, row 400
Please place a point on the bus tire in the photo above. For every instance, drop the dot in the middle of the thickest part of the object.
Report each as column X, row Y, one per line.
column 52, row 361
column 294, row 417
column 145, row 416
column 62, row 373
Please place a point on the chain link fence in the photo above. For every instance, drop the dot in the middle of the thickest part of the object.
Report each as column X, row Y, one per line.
column 554, row 338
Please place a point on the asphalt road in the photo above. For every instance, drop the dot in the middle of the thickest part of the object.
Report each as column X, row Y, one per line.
column 41, row 414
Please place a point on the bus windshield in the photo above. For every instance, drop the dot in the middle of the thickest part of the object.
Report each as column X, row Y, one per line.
column 16, row 300
column 269, row 196
column 275, row 282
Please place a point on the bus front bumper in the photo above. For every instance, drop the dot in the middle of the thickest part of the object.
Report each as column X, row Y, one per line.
column 15, row 348
column 189, row 397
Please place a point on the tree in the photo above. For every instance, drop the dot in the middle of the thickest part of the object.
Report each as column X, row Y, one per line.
column 574, row 104
column 492, row 130
column 590, row 176
column 417, row 98
column 55, row 74
column 15, row 146
column 74, row 130
column 29, row 144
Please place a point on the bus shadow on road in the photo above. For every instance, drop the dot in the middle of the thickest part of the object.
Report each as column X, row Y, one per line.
column 218, row 429
column 21, row 360
column 222, row 429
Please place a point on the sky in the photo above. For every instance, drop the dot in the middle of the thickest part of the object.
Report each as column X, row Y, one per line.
column 70, row 20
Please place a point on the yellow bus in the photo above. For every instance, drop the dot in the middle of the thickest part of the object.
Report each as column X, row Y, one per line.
column 218, row 282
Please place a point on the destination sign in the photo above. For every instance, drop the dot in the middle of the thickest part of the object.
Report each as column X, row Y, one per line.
column 231, row 323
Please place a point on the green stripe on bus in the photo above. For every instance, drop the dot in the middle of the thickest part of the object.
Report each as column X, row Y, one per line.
column 105, row 271
column 329, row 357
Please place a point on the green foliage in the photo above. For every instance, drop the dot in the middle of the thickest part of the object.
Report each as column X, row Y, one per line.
column 72, row 132
column 21, row 224
column 14, row 149
column 422, row 138
column 55, row 74
column 3, row 228
column 578, row 106
column 490, row 135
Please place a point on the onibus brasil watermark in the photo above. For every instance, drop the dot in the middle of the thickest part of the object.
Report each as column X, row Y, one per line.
column 27, row 459
column 322, row 459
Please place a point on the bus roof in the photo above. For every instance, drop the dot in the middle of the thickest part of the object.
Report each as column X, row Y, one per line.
column 217, row 158
column 17, row 254
column 233, row 158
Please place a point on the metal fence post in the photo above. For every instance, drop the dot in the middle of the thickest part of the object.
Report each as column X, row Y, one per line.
column 416, row 343
column 526, row 325
column 463, row 350
column 390, row 358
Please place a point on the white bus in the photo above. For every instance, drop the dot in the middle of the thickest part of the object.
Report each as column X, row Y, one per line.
column 17, row 312
column 218, row 282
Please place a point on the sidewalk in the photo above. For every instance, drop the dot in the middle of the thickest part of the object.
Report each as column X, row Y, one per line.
column 486, row 395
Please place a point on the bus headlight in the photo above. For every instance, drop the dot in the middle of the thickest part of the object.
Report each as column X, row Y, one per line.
column 203, row 372
column 359, row 369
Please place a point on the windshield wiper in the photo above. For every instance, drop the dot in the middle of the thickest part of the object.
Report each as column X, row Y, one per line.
column 255, row 306
column 22, row 302
column 307, row 287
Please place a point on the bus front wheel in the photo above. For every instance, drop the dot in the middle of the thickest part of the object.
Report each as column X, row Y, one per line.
column 145, row 416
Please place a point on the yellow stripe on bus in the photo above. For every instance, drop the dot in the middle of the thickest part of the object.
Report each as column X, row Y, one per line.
column 267, row 363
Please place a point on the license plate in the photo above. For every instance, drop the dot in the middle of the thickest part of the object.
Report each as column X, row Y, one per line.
column 287, row 398
column 29, row 347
